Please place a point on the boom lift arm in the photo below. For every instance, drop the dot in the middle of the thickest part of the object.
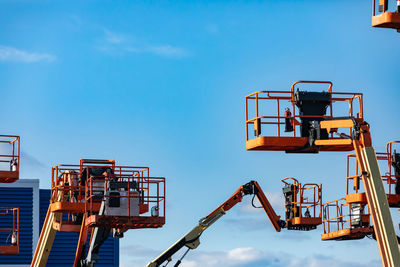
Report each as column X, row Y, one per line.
column 191, row 239
column 373, row 185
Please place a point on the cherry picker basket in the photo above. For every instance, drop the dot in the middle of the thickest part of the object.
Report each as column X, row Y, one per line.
column 383, row 18
column 302, row 204
column 9, row 237
column 123, row 199
column 343, row 221
column 389, row 163
column 9, row 158
column 296, row 129
column 84, row 188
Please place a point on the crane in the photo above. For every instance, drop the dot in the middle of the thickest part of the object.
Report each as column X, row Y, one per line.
column 293, row 219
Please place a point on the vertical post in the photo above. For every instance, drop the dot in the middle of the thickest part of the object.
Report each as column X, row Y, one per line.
column 294, row 114
column 279, row 119
column 83, row 235
column 257, row 105
column 247, row 125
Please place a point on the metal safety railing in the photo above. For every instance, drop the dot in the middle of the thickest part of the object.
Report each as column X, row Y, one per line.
column 383, row 6
column 126, row 195
column 389, row 176
column 339, row 215
column 307, row 198
column 81, row 189
column 278, row 100
column 9, row 235
column 9, row 158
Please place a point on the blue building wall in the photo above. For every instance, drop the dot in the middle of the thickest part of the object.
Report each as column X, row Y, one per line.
column 33, row 203
column 64, row 247
column 22, row 198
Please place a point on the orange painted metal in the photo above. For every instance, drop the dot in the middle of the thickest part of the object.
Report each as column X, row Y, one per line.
column 269, row 210
column 125, row 223
column 385, row 19
column 10, row 159
column 269, row 136
column 238, row 196
column 72, row 198
column 13, row 215
column 354, row 189
column 347, row 234
column 83, row 235
column 66, row 227
column 152, row 194
column 307, row 198
column 79, row 199
column 337, row 219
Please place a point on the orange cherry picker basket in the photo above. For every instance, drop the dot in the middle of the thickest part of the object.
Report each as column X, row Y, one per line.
column 133, row 198
column 9, row 243
column 389, row 163
column 303, row 204
column 9, row 158
column 293, row 130
column 384, row 19
column 97, row 198
column 344, row 221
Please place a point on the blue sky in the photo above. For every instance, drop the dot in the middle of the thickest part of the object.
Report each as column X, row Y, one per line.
column 163, row 85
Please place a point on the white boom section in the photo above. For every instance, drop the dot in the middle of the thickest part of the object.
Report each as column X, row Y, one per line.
column 379, row 209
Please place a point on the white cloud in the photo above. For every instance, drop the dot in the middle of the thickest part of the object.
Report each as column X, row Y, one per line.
column 16, row 55
column 275, row 199
column 115, row 38
column 248, row 256
column 168, row 51
column 123, row 43
column 243, row 254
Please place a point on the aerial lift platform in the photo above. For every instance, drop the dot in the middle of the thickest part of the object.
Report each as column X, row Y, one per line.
column 9, row 160
column 298, row 198
column 345, row 221
column 305, row 107
column 390, row 166
column 313, row 127
column 9, row 173
column 303, row 204
column 10, row 244
column 96, row 198
column 383, row 18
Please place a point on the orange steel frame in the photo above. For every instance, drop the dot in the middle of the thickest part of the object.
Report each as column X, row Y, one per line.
column 10, row 249
column 8, row 176
column 237, row 197
column 337, row 226
column 389, row 178
column 85, row 205
column 84, row 202
column 281, row 142
column 385, row 19
column 366, row 159
column 133, row 222
column 302, row 203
